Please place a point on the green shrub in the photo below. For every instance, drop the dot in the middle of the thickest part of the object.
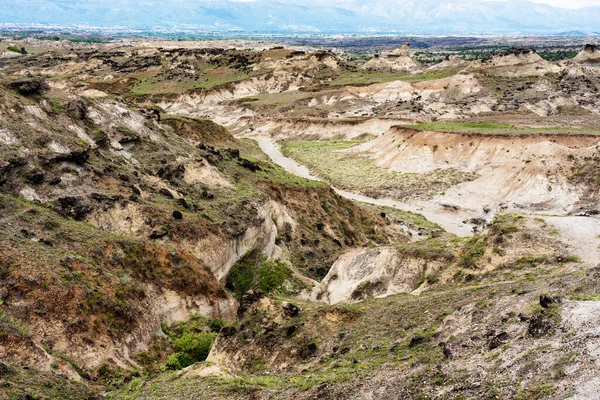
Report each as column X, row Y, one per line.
column 195, row 345
column 472, row 251
column 178, row 361
column 216, row 324
column 254, row 271
column 17, row 49
column 191, row 340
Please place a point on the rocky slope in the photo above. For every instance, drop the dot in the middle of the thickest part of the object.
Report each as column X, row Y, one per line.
column 149, row 253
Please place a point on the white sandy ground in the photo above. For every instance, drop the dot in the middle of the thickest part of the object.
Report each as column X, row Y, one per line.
column 581, row 233
column 450, row 221
column 584, row 318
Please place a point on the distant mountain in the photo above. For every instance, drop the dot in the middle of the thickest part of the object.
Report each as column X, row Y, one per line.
column 424, row 16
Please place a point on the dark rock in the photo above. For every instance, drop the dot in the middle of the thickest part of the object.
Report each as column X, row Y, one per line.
column 158, row 234
column 588, row 213
column 416, row 340
column 290, row 310
column 290, row 330
column 29, row 86
column 308, row 350
column 249, row 298
column 177, row 215
column 523, row 318
column 547, row 301
column 445, row 350
column 232, row 153
column 539, row 325
column 183, row 203
column 250, row 165
column 206, row 195
column 269, row 326
column 73, row 207
column 497, row 340
column 477, row 221
column 75, row 156
column 228, row 331
column 35, row 176
column 166, row 192
column 27, row 396
column 103, row 198
column 77, row 108
column 5, row 370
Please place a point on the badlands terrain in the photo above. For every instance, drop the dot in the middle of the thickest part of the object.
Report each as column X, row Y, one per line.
column 244, row 220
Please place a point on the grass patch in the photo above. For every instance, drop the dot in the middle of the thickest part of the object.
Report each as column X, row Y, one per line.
column 472, row 251
column 191, row 340
column 500, row 129
column 207, row 77
column 357, row 172
column 255, row 271
column 458, row 127
column 366, row 77
column 412, row 220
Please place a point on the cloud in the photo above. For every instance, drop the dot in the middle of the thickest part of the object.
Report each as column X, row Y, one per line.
column 570, row 3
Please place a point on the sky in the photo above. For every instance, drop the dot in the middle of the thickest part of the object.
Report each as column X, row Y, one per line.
column 570, row 3
column 555, row 3
column 424, row 16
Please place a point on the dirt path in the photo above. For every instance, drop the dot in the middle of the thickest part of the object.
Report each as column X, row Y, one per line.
column 582, row 234
column 451, row 221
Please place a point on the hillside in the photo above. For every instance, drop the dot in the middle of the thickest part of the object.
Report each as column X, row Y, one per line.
column 184, row 222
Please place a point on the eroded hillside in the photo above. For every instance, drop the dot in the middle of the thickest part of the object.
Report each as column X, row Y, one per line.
column 157, row 243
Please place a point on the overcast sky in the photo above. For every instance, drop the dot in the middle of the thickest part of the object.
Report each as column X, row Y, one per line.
column 555, row 3
column 570, row 3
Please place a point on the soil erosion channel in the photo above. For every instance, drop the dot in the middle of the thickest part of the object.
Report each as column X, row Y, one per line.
column 584, row 239
column 450, row 221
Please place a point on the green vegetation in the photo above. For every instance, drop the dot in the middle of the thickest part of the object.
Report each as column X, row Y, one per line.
column 411, row 220
column 459, row 127
column 430, row 249
column 255, row 271
column 29, row 383
column 472, row 251
column 365, row 77
column 208, row 77
column 337, row 163
column 17, row 49
column 504, row 224
column 558, row 55
column 191, row 340
column 492, row 128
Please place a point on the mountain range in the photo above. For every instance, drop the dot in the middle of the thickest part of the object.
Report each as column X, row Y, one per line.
column 341, row 16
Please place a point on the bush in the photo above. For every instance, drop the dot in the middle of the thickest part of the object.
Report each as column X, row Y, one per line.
column 191, row 340
column 17, row 49
column 195, row 345
column 254, row 271
column 472, row 251
column 216, row 324
column 178, row 361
